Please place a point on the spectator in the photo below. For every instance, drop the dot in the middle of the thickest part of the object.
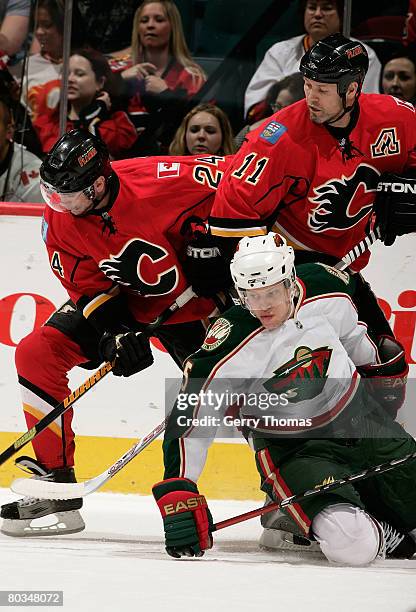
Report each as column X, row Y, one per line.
column 281, row 94
column 320, row 18
column 399, row 77
column 41, row 83
column 92, row 104
column 108, row 24
column 163, row 76
column 205, row 129
column 19, row 169
column 23, row 129
column 14, row 20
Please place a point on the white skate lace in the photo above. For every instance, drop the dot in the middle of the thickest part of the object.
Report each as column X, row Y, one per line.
column 27, row 501
column 392, row 537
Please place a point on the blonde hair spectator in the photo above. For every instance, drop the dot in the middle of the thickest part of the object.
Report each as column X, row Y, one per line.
column 204, row 128
column 177, row 43
column 163, row 77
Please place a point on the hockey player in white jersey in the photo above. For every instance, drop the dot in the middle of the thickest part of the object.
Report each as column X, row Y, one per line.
column 296, row 337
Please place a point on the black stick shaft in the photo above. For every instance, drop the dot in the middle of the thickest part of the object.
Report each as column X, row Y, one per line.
column 358, row 249
column 373, row 471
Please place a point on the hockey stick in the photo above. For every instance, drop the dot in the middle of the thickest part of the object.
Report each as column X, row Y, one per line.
column 63, row 406
column 319, row 490
column 45, row 489
column 358, row 249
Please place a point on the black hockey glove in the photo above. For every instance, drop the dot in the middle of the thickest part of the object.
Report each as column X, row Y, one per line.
column 130, row 352
column 205, row 267
column 395, row 207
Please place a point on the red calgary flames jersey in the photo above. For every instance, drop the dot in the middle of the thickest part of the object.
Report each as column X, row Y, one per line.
column 142, row 247
column 295, row 177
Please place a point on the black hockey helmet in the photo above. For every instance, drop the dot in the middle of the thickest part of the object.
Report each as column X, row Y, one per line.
column 336, row 59
column 75, row 161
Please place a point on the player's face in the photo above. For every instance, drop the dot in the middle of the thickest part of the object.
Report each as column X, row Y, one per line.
column 271, row 305
column 323, row 101
column 154, row 26
column 203, row 134
column 321, row 19
column 399, row 78
column 82, row 82
column 77, row 203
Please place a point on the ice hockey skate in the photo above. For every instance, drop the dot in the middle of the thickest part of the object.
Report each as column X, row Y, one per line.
column 394, row 544
column 280, row 532
column 20, row 518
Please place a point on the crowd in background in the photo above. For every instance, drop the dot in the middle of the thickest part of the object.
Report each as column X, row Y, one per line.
column 133, row 81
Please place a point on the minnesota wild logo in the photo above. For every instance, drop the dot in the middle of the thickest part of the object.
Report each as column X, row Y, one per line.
column 217, row 334
column 304, row 376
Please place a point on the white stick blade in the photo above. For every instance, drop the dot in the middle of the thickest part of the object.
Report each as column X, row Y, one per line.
column 47, row 490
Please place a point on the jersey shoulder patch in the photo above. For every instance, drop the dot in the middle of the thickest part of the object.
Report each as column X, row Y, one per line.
column 321, row 279
column 273, row 132
column 228, row 330
column 223, row 336
column 217, row 334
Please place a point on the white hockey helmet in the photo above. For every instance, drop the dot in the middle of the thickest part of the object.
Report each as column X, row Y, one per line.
column 261, row 261
column 264, row 275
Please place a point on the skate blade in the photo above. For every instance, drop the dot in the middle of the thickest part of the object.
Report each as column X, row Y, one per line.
column 275, row 539
column 65, row 522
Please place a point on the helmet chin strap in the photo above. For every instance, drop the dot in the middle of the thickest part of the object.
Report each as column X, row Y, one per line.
column 106, row 219
column 90, row 194
column 346, row 109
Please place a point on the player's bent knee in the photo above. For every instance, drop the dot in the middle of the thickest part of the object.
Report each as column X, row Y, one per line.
column 346, row 534
column 28, row 349
column 38, row 347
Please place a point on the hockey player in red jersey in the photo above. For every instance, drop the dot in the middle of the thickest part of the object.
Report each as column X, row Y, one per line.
column 316, row 171
column 116, row 236
column 313, row 170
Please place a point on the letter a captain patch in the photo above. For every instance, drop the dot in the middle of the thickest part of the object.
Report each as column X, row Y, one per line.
column 387, row 143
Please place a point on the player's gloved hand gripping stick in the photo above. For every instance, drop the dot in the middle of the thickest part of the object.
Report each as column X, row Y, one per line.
column 188, row 522
column 180, row 301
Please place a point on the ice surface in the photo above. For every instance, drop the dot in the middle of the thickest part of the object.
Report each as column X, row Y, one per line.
column 118, row 564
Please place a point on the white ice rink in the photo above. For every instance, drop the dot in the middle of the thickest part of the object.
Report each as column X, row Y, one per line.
column 118, row 564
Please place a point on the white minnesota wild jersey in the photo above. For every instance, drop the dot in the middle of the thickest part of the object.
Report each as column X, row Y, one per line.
column 294, row 379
